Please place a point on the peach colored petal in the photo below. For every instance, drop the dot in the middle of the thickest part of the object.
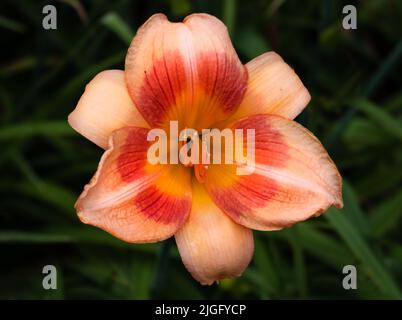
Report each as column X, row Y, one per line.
column 104, row 107
column 211, row 245
column 293, row 178
column 131, row 199
column 185, row 71
column 273, row 88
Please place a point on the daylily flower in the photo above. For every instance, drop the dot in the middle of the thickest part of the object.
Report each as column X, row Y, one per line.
column 189, row 72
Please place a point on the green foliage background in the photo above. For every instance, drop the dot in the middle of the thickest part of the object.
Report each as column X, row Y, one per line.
column 354, row 78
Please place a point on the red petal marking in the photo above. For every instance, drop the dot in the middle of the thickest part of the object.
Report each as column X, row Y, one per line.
column 262, row 191
column 221, row 77
column 133, row 156
column 162, row 84
column 294, row 178
column 253, row 191
column 218, row 77
column 161, row 207
column 132, row 199
column 151, row 201
column 270, row 146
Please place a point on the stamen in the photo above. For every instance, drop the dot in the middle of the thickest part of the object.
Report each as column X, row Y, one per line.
column 200, row 171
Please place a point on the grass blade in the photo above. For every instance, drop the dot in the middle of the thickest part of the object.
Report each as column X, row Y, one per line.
column 29, row 129
column 116, row 24
column 386, row 215
column 381, row 117
column 229, row 14
column 378, row 274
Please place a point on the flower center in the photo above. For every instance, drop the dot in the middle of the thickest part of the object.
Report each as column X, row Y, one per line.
column 200, row 166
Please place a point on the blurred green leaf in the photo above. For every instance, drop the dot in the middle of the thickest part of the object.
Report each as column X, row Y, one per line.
column 353, row 212
column 299, row 264
column 12, row 24
column 17, row 66
column 250, row 43
column 384, row 68
column 30, row 129
column 75, row 235
column 380, row 116
column 51, row 193
column 113, row 21
column 180, row 7
column 77, row 84
column 274, row 7
column 394, row 103
column 229, row 14
column 380, row 180
column 378, row 274
column 29, row 237
column 322, row 246
column 386, row 215
column 378, row 76
column 363, row 133
column 265, row 267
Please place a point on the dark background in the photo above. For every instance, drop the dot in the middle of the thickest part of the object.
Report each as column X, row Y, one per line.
column 354, row 77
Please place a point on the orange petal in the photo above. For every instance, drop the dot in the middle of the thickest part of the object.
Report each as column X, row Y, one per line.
column 185, row 71
column 293, row 178
column 211, row 245
column 273, row 88
column 104, row 107
column 131, row 199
